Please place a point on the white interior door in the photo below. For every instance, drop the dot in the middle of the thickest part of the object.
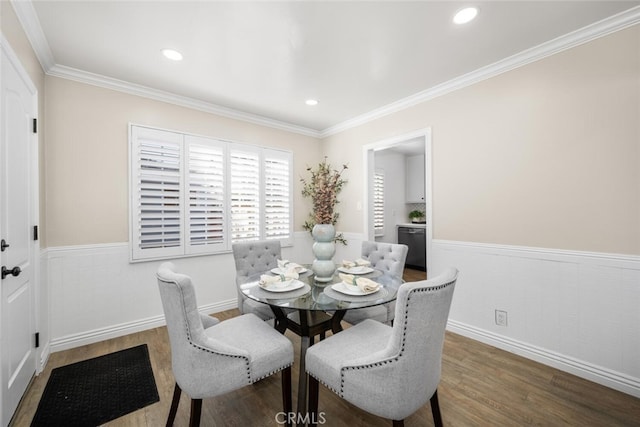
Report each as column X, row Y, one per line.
column 18, row 146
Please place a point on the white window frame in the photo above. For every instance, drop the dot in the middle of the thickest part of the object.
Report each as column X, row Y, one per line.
column 212, row 245
column 139, row 135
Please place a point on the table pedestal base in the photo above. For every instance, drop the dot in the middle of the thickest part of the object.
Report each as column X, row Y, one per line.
column 306, row 324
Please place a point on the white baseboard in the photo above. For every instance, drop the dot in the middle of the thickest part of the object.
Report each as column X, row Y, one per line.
column 44, row 358
column 556, row 300
column 95, row 293
column 572, row 310
column 97, row 335
column 576, row 367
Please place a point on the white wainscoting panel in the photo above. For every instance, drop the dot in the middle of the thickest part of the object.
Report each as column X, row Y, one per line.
column 575, row 311
column 95, row 293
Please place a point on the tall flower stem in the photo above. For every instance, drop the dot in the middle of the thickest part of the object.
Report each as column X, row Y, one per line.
column 323, row 188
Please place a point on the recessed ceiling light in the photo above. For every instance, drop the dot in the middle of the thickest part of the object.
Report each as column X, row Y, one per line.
column 174, row 55
column 465, row 15
column 311, row 102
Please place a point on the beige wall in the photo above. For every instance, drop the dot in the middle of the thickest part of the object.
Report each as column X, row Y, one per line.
column 12, row 31
column 547, row 155
column 87, row 156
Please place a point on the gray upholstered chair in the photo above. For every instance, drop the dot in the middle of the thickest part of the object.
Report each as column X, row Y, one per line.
column 388, row 257
column 254, row 258
column 209, row 357
column 389, row 371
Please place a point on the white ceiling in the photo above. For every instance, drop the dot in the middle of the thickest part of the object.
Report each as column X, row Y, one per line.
column 265, row 58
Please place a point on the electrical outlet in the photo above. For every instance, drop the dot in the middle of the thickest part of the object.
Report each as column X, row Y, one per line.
column 501, row 318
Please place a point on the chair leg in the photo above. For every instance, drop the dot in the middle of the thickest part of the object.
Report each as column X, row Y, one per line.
column 314, row 387
column 196, row 410
column 435, row 409
column 287, row 404
column 398, row 423
column 175, row 401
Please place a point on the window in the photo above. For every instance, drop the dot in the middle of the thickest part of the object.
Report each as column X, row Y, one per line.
column 378, row 203
column 192, row 195
column 158, row 197
column 245, row 195
column 206, row 182
column 277, row 208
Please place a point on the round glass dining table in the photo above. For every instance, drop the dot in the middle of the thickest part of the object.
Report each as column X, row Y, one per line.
column 309, row 308
column 324, row 296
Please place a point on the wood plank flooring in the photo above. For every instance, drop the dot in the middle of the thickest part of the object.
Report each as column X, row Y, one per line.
column 480, row 386
column 411, row 275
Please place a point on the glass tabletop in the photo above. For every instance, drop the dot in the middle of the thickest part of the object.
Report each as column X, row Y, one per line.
column 327, row 296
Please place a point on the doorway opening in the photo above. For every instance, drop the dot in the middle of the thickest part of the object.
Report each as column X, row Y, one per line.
column 402, row 167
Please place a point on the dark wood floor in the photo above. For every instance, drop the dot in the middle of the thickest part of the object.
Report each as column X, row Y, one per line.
column 411, row 275
column 480, row 386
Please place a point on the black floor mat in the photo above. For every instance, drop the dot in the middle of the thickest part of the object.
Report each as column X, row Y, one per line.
column 94, row 391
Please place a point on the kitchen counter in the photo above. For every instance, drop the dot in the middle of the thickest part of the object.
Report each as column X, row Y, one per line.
column 412, row 225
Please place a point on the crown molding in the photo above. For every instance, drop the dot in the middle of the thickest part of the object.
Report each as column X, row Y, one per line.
column 31, row 24
column 171, row 98
column 596, row 30
column 29, row 20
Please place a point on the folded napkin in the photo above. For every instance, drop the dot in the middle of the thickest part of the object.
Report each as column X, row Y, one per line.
column 267, row 280
column 357, row 263
column 286, row 266
column 364, row 284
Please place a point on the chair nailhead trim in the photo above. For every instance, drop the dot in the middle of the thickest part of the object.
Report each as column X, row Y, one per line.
column 326, row 385
column 404, row 335
column 273, row 372
column 194, row 345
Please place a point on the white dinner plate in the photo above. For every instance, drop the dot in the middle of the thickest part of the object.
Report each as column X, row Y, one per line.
column 289, row 285
column 356, row 270
column 278, row 270
column 343, row 288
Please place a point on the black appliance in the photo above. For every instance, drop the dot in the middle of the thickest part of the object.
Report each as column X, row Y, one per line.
column 415, row 239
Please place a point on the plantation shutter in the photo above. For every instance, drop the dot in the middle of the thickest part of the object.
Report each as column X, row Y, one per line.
column 156, row 180
column 244, row 167
column 378, row 203
column 277, row 195
column 206, row 196
column 192, row 195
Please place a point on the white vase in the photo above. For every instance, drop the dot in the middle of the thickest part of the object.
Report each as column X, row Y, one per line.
column 324, row 248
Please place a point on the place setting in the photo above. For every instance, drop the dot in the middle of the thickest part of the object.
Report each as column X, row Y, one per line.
column 283, row 281
column 285, row 266
column 355, row 289
column 358, row 267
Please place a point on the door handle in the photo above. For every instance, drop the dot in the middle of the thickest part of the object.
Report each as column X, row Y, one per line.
column 3, row 245
column 15, row 271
